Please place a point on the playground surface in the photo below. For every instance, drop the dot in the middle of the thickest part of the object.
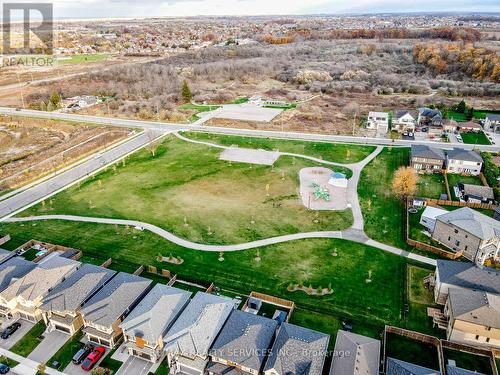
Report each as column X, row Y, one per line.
column 251, row 156
column 317, row 194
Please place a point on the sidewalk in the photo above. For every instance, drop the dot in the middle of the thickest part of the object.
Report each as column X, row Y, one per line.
column 26, row 366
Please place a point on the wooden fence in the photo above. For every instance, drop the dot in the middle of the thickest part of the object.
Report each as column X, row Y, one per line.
column 4, row 239
column 138, row 271
column 289, row 305
column 107, row 263
column 439, row 202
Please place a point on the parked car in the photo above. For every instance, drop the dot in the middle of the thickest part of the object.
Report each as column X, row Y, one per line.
column 7, row 332
column 4, row 369
column 93, row 358
column 81, row 354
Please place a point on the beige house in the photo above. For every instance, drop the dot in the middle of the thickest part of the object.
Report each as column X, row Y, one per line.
column 24, row 297
column 62, row 306
column 473, row 317
column 145, row 326
column 104, row 312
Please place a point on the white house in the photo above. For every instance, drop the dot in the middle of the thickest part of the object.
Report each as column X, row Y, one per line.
column 428, row 218
column 378, row 121
column 404, row 120
column 492, row 123
column 462, row 161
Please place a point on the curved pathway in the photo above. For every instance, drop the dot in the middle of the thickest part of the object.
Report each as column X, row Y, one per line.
column 355, row 233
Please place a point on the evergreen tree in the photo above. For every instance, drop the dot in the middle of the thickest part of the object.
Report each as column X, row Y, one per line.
column 186, row 92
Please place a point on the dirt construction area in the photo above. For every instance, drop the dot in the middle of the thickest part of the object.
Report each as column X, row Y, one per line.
column 317, row 193
column 31, row 148
column 246, row 155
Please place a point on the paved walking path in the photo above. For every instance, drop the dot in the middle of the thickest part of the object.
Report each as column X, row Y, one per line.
column 355, row 233
column 26, row 366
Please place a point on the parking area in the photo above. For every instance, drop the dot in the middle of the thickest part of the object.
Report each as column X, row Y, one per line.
column 136, row 366
column 243, row 112
column 50, row 344
column 16, row 336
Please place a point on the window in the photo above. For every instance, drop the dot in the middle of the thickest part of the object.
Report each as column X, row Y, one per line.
column 466, row 248
column 457, row 243
column 449, row 238
column 487, row 339
column 477, row 337
column 456, row 230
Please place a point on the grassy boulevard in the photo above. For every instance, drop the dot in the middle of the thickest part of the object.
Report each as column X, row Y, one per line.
column 186, row 189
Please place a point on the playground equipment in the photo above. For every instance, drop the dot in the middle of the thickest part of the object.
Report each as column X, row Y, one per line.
column 320, row 192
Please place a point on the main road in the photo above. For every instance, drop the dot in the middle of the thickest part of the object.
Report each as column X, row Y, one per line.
column 164, row 126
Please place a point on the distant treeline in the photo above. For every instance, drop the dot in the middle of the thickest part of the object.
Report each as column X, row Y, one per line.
column 445, row 33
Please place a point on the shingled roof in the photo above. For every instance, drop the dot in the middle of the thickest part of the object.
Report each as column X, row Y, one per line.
column 156, row 312
column 245, row 339
column 473, row 222
column 70, row 295
column 422, row 151
column 112, row 301
column 475, row 306
column 453, row 370
column 298, row 350
column 364, row 355
column 398, row 367
column 13, row 269
column 465, row 155
column 6, row 255
column 468, row 276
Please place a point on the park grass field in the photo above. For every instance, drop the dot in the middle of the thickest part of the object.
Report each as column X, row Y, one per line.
column 383, row 213
column 336, row 152
column 83, row 58
column 310, row 262
column 478, row 138
column 185, row 189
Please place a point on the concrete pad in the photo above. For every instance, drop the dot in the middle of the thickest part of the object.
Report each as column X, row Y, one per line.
column 51, row 343
column 251, row 156
column 18, row 335
column 22, row 369
column 320, row 176
column 135, row 366
column 245, row 112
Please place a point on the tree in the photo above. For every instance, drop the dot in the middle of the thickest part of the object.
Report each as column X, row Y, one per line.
column 186, row 92
column 55, row 99
column 404, row 183
column 153, row 143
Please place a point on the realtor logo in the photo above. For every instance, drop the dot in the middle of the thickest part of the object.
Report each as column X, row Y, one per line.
column 31, row 34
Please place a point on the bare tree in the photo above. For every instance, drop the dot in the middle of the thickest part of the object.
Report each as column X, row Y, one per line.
column 153, row 143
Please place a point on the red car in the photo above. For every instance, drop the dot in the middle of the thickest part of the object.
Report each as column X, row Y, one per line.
column 93, row 358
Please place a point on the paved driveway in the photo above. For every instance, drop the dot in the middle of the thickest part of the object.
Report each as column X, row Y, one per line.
column 135, row 366
column 51, row 343
column 9, row 343
column 73, row 369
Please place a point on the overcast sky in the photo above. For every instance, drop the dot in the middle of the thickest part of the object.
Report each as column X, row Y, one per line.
column 133, row 8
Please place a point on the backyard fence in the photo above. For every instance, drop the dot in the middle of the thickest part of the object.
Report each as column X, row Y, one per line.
column 138, row 271
column 439, row 202
column 289, row 305
column 107, row 263
column 4, row 239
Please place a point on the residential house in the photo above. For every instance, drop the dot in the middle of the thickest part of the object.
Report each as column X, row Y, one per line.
column 188, row 342
column 62, row 306
column 451, row 126
column 404, row 120
column 398, row 367
column 242, row 344
column 104, row 312
column 10, row 271
column 428, row 218
column 492, row 123
column 428, row 117
column 471, row 232
column 355, row 354
column 473, row 317
column 378, row 121
column 5, row 255
column 145, row 326
column 297, row 350
column 469, row 126
column 475, row 193
column 24, row 297
column 425, row 159
column 463, row 161
column 461, row 275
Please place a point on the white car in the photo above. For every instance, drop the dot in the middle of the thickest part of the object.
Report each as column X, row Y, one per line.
column 97, row 156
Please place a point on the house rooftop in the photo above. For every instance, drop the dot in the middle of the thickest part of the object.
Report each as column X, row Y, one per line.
column 364, row 355
column 464, row 155
column 6, row 255
column 477, row 190
column 13, row 269
column 473, row 222
column 245, row 339
column 422, row 151
column 112, row 301
column 71, row 294
column 39, row 281
column 298, row 350
column 398, row 367
column 453, row 370
column 199, row 324
column 378, row 114
column 493, row 117
column 156, row 312
column 468, row 276
column 475, row 306
column 401, row 112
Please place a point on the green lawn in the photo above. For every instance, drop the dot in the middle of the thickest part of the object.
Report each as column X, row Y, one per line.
column 30, row 254
column 454, row 179
column 67, row 351
column 7, row 361
column 412, row 351
column 197, row 109
column 110, row 363
column 383, row 213
column 431, row 186
column 308, row 261
column 478, row 138
column 336, row 152
column 416, row 230
column 469, row 361
column 83, row 58
column 187, row 190
column 29, row 341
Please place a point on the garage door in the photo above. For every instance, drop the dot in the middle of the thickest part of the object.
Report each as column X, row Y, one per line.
column 93, row 339
column 142, row 355
column 62, row 329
